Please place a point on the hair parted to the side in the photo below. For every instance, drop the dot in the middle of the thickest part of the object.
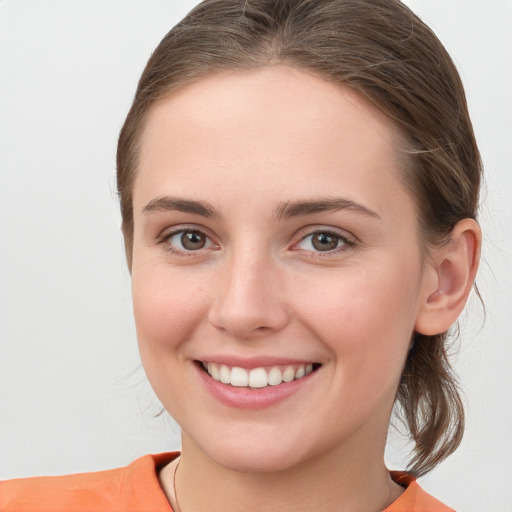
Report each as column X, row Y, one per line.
column 387, row 54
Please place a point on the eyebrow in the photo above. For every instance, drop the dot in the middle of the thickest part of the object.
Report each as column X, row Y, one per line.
column 168, row 203
column 285, row 210
column 309, row 207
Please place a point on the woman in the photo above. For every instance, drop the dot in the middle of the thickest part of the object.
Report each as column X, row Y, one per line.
column 298, row 183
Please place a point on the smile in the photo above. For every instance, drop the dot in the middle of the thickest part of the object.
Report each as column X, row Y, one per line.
column 258, row 377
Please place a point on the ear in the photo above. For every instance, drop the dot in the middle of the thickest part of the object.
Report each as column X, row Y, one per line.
column 451, row 273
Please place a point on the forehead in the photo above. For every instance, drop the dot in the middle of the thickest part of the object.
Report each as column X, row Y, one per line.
column 274, row 126
column 267, row 100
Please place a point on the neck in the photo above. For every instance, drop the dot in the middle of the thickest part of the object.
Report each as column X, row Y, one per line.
column 336, row 481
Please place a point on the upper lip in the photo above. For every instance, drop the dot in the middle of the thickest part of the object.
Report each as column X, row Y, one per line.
column 254, row 362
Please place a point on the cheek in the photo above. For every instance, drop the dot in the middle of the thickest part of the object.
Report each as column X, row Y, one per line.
column 364, row 301
column 366, row 319
column 166, row 307
column 167, row 311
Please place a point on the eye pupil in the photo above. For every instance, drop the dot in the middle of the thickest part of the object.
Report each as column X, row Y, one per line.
column 193, row 240
column 324, row 242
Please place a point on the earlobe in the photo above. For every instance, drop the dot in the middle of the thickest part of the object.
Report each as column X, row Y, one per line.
column 453, row 270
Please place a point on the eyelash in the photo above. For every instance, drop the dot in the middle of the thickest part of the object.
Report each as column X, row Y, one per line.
column 346, row 241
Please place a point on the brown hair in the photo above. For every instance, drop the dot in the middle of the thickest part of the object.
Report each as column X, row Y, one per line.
column 383, row 51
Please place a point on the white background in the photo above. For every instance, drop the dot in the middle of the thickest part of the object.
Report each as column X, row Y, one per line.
column 72, row 394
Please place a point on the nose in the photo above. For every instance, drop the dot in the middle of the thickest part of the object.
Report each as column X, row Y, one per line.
column 249, row 300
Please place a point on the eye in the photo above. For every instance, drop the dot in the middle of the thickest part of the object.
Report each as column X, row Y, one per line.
column 187, row 240
column 323, row 241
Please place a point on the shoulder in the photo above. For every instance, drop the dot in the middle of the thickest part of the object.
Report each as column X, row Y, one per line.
column 414, row 498
column 134, row 487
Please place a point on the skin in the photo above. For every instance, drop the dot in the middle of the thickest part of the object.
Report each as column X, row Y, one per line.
column 247, row 144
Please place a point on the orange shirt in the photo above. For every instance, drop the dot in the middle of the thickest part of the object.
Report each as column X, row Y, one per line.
column 135, row 488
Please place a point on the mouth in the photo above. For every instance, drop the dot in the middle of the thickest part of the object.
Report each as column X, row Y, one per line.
column 257, row 378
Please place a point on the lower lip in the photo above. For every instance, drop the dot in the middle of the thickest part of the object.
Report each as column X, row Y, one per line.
column 252, row 398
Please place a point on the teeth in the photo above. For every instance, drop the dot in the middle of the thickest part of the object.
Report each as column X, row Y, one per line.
column 225, row 374
column 289, row 374
column 257, row 377
column 300, row 372
column 275, row 377
column 214, row 371
column 239, row 377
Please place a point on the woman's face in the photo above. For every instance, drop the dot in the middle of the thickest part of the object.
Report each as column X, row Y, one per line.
column 274, row 238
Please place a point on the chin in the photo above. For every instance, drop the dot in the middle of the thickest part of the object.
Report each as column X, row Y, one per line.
column 256, row 460
column 255, row 455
